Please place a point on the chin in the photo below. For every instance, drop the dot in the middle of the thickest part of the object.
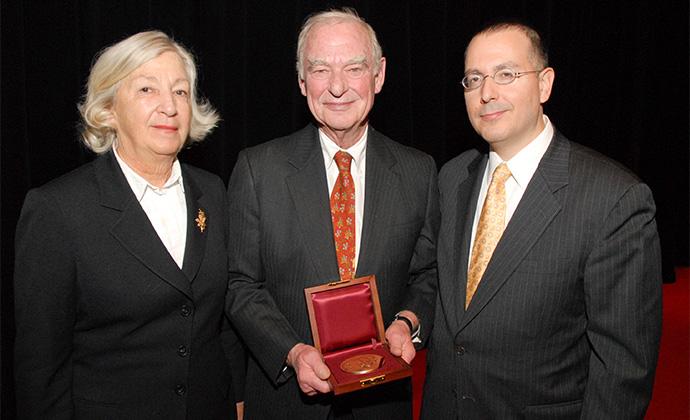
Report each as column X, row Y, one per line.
column 169, row 149
column 340, row 125
column 492, row 134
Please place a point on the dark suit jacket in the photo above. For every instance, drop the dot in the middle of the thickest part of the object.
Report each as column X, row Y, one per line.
column 280, row 224
column 566, row 320
column 108, row 326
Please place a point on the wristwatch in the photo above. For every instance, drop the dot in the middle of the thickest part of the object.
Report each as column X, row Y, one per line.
column 406, row 320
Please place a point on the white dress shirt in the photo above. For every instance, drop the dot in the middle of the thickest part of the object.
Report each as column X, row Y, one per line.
column 358, row 151
column 522, row 167
column 165, row 207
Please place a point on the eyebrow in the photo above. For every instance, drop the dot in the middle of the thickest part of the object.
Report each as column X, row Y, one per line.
column 320, row 62
column 316, row 62
column 507, row 64
column 357, row 60
column 154, row 79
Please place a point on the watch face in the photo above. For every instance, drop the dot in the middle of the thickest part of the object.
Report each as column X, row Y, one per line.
column 361, row 364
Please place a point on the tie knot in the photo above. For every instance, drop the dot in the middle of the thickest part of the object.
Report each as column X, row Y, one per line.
column 501, row 173
column 343, row 160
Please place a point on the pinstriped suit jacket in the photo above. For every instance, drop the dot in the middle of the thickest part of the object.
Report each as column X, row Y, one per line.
column 280, row 226
column 566, row 320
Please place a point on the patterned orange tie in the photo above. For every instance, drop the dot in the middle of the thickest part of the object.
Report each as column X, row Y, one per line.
column 489, row 229
column 343, row 216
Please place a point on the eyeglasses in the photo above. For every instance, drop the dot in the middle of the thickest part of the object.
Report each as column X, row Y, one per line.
column 473, row 81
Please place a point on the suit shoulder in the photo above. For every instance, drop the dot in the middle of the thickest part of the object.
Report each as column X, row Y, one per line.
column 401, row 150
column 412, row 161
column 202, row 176
column 599, row 183
column 596, row 166
column 78, row 182
column 68, row 196
column 280, row 146
column 459, row 163
column 207, row 182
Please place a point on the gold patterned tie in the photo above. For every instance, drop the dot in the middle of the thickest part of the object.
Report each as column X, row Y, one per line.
column 343, row 216
column 489, row 229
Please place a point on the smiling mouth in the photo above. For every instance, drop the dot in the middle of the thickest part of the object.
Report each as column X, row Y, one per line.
column 492, row 115
column 165, row 127
column 337, row 105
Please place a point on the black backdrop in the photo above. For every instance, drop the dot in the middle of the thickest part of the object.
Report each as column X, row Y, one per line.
column 621, row 87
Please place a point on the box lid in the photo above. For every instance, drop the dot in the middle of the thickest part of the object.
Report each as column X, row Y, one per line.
column 345, row 314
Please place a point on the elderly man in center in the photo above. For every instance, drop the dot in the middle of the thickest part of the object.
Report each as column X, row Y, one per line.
column 286, row 237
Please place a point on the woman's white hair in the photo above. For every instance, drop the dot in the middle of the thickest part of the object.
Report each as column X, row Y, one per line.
column 330, row 17
column 115, row 63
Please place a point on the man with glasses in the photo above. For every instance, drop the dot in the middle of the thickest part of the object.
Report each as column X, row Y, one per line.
column 549, row 302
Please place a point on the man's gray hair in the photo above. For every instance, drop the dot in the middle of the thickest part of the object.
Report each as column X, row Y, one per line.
column 331, row 17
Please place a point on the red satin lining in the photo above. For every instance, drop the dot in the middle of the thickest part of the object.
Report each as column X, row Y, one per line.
column 345, row 317
column 388, row 364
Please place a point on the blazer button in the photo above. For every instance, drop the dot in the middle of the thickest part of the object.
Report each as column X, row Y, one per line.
column 180, row 390
column 182, row 351
column 459, row 350
column 468, row 398
column 185, row 311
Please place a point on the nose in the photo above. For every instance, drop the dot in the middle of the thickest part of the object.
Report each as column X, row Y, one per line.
column 337, row 85
column 167, row 105
column 488, row 90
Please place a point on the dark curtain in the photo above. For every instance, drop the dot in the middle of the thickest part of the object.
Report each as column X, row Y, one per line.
column 621, row 87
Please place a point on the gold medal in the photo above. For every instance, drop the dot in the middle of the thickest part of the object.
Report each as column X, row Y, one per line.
column 361, row 364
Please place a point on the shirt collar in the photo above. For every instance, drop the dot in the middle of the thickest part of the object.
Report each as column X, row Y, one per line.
column 523, row 165
column 139, row 185
column 357, row 150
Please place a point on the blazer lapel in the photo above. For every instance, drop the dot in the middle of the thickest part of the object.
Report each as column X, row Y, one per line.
column 465, row 207
column 133, row 229
column 380, row 184
column 197, row 217
column 537, row 209
column 308, row 188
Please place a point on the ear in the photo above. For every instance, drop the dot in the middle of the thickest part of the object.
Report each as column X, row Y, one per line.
column 302, row 85
column 110, row 119
column 380, row 77
column 545, row 84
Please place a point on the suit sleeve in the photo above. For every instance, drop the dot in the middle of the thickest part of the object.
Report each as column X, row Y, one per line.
column 45, row 311
column 265, row 330
column 622, row 280
column 236, row 357
column 421, row 291
column 233, row 347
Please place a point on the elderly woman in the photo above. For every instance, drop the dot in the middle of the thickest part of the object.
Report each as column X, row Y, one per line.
column 121, row 271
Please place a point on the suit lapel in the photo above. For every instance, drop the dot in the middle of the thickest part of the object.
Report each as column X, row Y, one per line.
column 133, row 229
column 536, row 210
column 465, row 208
column 308, row 189
column 197, row 216
column 380, row 184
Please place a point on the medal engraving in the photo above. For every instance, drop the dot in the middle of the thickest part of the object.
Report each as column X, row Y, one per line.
column 361, row 364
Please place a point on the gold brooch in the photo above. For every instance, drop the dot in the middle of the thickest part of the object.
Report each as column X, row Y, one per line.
column 201, row 220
